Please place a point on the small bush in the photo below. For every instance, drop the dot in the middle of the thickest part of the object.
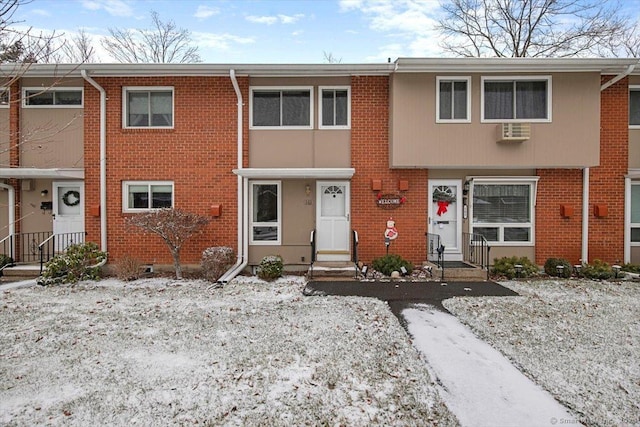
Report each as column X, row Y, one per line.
column 505, row 267
column 551, row 267
column 216, row 261
column 128, row 268
column 5, row 260
column 77, row 263
column 390, row 263
column 270, row 267
column 631, row 268
column 598, row 270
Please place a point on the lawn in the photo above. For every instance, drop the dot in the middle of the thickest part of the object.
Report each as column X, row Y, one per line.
column 166, row 352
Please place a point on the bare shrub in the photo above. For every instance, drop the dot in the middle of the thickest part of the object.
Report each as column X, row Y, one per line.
column 128, row 268
column 215, row 261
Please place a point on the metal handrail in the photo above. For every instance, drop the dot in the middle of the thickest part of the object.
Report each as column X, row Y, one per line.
column 312, row 242
column 3, row 244
column 354, row 253
column 435, row 251
column 476, row 250
column 64, row 240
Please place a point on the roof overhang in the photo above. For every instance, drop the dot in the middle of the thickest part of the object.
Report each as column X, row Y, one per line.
column 33, row 173
column 295, row 173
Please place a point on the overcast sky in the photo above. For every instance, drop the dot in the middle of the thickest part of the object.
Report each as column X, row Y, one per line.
column 267, row 31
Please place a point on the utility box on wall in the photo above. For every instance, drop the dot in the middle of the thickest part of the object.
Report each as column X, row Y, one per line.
column 566, row 211
column 600, row 211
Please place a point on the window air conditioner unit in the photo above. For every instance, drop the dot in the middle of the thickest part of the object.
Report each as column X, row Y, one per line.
column 514, row 132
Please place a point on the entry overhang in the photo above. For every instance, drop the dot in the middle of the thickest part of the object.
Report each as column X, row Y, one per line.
column 296, row 173
column 33, row 173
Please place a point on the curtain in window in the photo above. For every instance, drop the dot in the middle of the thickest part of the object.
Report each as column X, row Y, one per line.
column 531, row 100
column 634, row 107
column 68, row 97
column 334, row 107
column 138, row 109
column 266, row 108
column 161, row 108
column 342, row 107
column 501, row 203
column 296, row 108
column 498, row 100
column 460, row 100
column 446, row 100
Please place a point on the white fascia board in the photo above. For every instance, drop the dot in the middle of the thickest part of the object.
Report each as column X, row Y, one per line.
column 295, row 173
column 32, row 173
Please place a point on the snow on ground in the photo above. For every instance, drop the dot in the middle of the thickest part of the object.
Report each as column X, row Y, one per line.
column 166, row 352
column 476, row 381
column 578, row 339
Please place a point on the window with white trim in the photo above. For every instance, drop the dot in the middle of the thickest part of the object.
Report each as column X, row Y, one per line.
column 453, row 99
column 335, row 107
column 4, row 97
column 140, row 196
column 147, row 107
column 634, row 107
column 60, row 97
column 635, row 213
column 278, row 108
column 516, row 99
column 266, row 212
column 503, row 212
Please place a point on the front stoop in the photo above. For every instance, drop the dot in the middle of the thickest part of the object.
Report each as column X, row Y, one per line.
column 328, row 270
column 468, row 273
column 21, row 272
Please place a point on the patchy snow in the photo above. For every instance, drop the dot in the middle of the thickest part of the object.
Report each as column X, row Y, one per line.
column 167, row 352
column 477, row 382
column 578, row 339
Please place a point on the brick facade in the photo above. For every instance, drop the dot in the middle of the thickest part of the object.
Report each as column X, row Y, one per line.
column 370, row 158
column 197, row 155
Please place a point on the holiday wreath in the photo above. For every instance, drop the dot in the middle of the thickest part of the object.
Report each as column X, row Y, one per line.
column 71, row 198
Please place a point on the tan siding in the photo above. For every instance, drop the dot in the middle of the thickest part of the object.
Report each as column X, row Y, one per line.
column 634, row 135
column 299, row 148
column 4, row 137
column 570, row 140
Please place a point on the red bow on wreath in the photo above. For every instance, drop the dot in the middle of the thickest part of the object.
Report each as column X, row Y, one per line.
column 442, row 207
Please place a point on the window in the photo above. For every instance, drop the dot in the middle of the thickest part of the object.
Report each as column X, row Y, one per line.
column 335, row 107
column 281, row 108
column 453, row 99
column 4, row 97
column 62, row 97
column 146, row 107
column 634, row 107
column 635, row 214
column 265, row 212
column 146, row 195
column 504, row 212
column 516, row 99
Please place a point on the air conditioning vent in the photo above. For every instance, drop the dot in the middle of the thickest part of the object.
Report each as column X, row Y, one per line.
column 514, row 132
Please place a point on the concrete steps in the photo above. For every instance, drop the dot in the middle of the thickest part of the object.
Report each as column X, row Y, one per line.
column 328, row 270
column 21, row 272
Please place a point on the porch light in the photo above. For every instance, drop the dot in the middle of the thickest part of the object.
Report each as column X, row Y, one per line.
column 307, row 189
column 44, row 193
column 465, row 188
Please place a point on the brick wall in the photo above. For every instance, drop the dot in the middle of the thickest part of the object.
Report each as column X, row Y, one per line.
column 370, row 158
column 198, row 155
column 606, row 235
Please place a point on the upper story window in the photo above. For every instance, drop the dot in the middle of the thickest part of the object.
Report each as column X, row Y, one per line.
column 516, row 99
column 453, row 99
column 139, row 196
column 634, row 107
column 60, row 97
column 335, row 107
column 147, row 107
column 4, row 97
column 288, row 107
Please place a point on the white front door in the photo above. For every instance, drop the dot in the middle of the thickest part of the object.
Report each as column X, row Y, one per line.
column 445, row 215
column 332, row 221
column 68, row 212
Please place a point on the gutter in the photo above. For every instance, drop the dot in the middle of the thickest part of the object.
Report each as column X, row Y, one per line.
column 103, row 162
column 242, row 209
column 619, row 77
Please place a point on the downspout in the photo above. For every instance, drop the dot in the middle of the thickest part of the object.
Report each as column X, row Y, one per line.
column 619, row 77
column 103, row 162
column 242, row 210
column 584, row 255
column 12, row 214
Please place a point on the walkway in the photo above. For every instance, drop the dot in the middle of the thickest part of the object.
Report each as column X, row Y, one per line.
column 476, row 381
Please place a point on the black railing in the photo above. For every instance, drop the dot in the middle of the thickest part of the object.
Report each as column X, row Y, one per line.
column 354, row 251
column 435, row 251
column 312, row 242
column 58, row 243
column 24, row 247
column 475, row 250
column 7, row 247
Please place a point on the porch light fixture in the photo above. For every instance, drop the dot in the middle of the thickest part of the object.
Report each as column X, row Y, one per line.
column 44, row 193
column 307, row 189
column 465, row 188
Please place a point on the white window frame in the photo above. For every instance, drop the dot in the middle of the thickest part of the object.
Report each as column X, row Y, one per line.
column 514, row 79
column 7, row 90
column 453, row 79
column 633, row 88
column 125, row 195
column 335, row 88
column 277, row 224
column 125, row 106
column 515, row 180
column 632, row 224
column 53, row 89
column 253, row 89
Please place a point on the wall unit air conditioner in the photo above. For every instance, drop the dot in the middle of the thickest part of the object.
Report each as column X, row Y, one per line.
column 514, row 132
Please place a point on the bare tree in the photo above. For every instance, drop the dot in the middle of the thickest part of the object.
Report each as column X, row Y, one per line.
column 532, row 28
column 173, row 226
column 76, row 50
column 329, row 58
column 163, row 43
